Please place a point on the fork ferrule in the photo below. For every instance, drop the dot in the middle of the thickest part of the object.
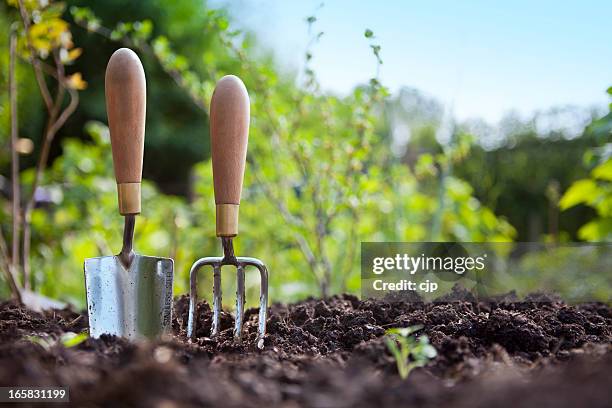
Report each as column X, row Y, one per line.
column 227, row 219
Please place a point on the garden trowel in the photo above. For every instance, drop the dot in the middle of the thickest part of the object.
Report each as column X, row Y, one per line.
column 128, row 295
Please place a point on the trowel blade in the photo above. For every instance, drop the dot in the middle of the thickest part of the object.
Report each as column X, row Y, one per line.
column 133, row 303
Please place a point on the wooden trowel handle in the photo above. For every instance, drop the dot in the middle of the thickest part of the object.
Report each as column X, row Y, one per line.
column 126, row 91
column 229, row 132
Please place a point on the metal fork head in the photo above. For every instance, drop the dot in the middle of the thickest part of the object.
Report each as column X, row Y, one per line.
column 240, row 263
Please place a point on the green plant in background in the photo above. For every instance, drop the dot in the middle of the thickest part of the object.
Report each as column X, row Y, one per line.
column 321, row 177
column 178, row 42
column 41, row 37
column 408, row 351
column 595, row 191
column 321, row 173
column 298, row 135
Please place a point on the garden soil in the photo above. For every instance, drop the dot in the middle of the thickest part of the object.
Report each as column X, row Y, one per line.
column 538, row 352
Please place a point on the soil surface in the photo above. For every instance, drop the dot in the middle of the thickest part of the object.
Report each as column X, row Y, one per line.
column 538, row 352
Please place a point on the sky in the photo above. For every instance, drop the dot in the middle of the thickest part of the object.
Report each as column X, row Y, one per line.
column 483, row 58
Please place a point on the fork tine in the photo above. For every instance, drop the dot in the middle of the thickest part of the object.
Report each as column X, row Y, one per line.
column 240, row 263
column 217, row 300
column 193, row 292
column 263, row 304
column 193, row 300
column 263, row 296
column 239, row 303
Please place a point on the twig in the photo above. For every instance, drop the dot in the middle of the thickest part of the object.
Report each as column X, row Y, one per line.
column 16, row 194
column 40, row 78
column 61, row 91
column 289, row 218
column 53, row 127
column 9, row 272
column 66, row 113
column 73, row 322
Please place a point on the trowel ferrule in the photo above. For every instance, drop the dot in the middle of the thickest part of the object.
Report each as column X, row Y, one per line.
column 128, row 195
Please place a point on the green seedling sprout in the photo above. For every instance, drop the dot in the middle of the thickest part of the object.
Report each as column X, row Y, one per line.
column 408, row 351
column 71, row 339
column 68, row 340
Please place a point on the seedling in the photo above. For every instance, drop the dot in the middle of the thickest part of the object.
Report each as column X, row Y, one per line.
column 408, row 351
column 68, row 340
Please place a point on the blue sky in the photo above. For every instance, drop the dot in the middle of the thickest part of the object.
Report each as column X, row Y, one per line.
column 483, row 57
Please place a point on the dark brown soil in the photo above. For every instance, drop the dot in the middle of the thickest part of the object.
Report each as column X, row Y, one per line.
column 329, row 354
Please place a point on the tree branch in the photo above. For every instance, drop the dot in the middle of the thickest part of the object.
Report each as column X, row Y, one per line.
column 40, row 78
column 53, row 125
column 16, row 194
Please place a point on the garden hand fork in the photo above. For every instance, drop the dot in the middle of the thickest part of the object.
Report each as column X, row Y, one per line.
column 229, row 131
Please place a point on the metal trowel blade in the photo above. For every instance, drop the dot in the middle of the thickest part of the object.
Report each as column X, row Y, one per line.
column 133, row 303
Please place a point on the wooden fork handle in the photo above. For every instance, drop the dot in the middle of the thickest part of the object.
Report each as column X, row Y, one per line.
column 229, row 132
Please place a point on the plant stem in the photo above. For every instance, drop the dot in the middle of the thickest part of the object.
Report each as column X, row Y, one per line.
column 16, row 194
column 40, row 78
column 53, row 125
column 445, row 174
column 8, row 269
column 54, row 122
column 9, row 263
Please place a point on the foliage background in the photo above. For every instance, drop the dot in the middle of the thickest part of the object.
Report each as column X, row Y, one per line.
column 323, row 172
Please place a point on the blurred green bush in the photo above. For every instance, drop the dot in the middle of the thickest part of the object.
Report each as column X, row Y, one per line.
column 322, row 175
column 382, row 204
column 596, row 190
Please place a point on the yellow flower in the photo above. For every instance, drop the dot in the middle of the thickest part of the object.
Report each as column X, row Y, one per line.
column 75, row 81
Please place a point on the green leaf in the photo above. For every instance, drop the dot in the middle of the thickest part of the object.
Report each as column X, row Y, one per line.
column 44, row 342
column 603, row 171
column 222, row 23
column 596, row 230
column 368, row 33
column 407, row 351
column 428, row 350
column 143, row 29
column 71, row 339
column 405, row 331
column 579, row 192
